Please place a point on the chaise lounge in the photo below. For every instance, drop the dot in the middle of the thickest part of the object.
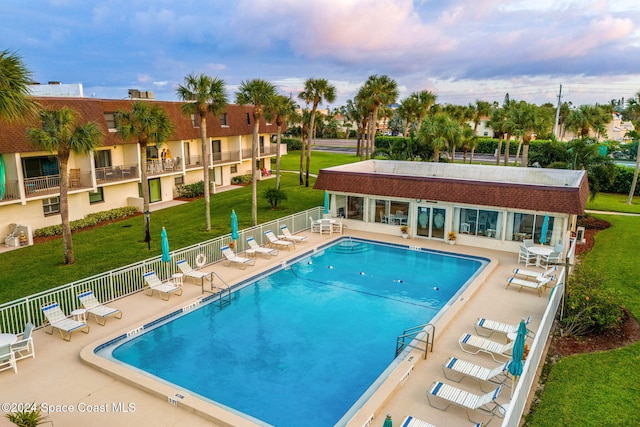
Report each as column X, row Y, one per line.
column 463, row 368
column 253, row 245
column 58, row 320
column 93, row 306
column 232, row 258
column 482, row 404
column 164, row 289
column 473, row 345
column 287, row 235
column 275, row 242
column 188, row 271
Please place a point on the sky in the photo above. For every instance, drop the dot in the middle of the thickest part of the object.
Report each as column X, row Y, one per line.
column 461, row 50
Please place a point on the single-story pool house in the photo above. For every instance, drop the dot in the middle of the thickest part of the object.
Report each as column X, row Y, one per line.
column 495, row 207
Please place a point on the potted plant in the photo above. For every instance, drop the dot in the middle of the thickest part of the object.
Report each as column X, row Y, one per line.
column 405, row 231
column 451, row 237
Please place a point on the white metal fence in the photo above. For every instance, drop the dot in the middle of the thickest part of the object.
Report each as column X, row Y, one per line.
column 526, row 381
column 127, row 280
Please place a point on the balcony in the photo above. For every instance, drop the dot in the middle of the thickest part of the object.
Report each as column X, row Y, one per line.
column 50, row 184
column 193, row 162
column 266, row 151
column 225, row 157
column 10, row 191
column 157, row 167
column 118, row 173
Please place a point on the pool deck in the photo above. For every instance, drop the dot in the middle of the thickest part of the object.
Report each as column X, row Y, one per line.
column 78, row 394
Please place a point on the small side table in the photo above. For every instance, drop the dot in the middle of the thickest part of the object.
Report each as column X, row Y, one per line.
column 79, row 314
column 177, row 279
column 251, row 253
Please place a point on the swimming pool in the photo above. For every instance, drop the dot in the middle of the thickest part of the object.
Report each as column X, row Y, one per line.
column 303, row 344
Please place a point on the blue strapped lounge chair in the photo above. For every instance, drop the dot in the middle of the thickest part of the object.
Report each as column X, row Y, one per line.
column 188, row 271
column 235, row 259
column 253, row 245
column 164, row 289
column 537, row 285
column 414, row 422
column 93, row 306
column 497, row 375
column 482, row 404
column 469, row 343
column 532, row 274
column 483, row 325
column 58, row 320
column 275, row 242
column 286, row 235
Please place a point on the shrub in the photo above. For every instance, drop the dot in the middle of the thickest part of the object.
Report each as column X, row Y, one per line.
column 292, row 144
column 241, row 179
column 589, row 308
column 274, row 195
column 88, row 221
column 191, row 190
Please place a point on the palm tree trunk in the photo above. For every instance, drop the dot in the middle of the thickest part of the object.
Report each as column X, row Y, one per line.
column 312, row 124
column 635, row 177
column 205, row 177
column 518, row 152
column 525, row 154
column 499, row 153
column 254, row 175
column 302, row 154
column 145, row 195
column 67, row 241
column 278, row 140
column 506, row 149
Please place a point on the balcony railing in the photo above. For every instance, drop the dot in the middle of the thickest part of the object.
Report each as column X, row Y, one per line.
column 50, row 184
column 193, row 162
column 226, row 157
column 158, row 167
column 266, row 151
column 9, row 190
column 117, row 173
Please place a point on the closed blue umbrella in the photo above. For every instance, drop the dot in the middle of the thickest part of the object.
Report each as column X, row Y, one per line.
column 234, row 225
column 515, row 366
column 387, row 421
column 545, row 229
column 3, row 184
column 166, row 257
column 326, row 202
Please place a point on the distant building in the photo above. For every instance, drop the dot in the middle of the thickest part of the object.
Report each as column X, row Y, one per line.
column 57, row 89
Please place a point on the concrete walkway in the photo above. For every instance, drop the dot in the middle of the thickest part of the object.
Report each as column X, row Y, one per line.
column 80, row 395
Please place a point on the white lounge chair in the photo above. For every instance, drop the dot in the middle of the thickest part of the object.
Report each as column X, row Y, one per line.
column 188, row 271
column 537, row 285
column 286, row 235
column 275, row 242
column 93, row 306
column 483, row 325
column 253, row 245
column 414, row 422
column 235, row 259
column 7, row 359
column 532, row 274
column 164, row 289
column 24, row 348
column 58, row 320
column 473, row 344
column 496, row 375
column 482, row 404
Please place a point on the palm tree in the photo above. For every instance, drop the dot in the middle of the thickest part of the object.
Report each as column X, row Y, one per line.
column 62, row 133
column 497, row 122
column 377, row 91
column 15, row 103
column 146, row 123
column 440, row 132
column 284, row 109
column 261, row 94
column 315, row 91
column 203, row 94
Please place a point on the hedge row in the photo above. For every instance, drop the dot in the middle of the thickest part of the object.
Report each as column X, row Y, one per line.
column 88, row 221
column 191, row 190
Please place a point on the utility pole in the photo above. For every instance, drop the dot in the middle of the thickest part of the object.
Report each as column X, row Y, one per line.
column 555, row 127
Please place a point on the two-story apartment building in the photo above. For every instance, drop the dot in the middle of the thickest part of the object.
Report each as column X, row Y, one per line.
column 109, row 177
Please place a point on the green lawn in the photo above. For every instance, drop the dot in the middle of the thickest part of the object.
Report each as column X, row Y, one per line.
column 601, row 389
column 614, row 203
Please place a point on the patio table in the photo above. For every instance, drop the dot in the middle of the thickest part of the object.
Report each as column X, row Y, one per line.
column 539, row 252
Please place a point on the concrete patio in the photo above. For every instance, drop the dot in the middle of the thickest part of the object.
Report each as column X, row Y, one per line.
column 80, row 395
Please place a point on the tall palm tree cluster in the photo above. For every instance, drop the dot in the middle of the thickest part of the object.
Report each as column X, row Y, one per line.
column 431, row 130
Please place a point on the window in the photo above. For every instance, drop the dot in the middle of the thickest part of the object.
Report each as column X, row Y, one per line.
column 110, row 118
column 223, row 119
column 51, row 206
column 389, row 212
column 152, row 152
column 479, row 222
column 179, row 180
column 355, row 207
column 529, row 226
column 102, row 158
column 249, row 119
column 96, row 197
column 234, row 168
column 194, row 120
column 40, row 166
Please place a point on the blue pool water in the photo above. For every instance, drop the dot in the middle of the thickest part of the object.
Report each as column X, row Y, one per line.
column 301, row 346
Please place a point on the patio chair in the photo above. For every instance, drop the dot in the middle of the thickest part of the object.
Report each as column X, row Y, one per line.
column 527, row 257
column 552, row 259
column 58, row 320
column 24, row 348
column 275, row 242
column 315, row 225
column 532, row 274
column 415, row 422
column 481, row 404
column 253, row 245
column 483, row 325
column 7, row 359
column 164, row 289
column 93, row 306
column 528, row 243
column 537, row 285
column 188, row 271
column 235, row 259
column 498, row 375
column 473, row 344
column 286, row 235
